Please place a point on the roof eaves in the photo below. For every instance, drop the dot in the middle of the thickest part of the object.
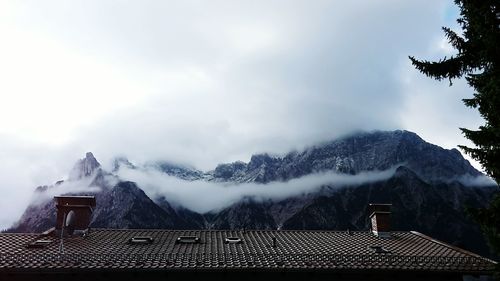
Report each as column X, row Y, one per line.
column 451, row 246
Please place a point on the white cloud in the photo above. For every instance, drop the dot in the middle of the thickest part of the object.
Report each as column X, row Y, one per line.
column 208, row 82
column 83, row 185
column 49, row 91
column 477, row 181
column 202, row 196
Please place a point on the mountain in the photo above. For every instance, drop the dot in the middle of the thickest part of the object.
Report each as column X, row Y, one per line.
column 40, row 215
column 351, row 155
column 175, row 170
column 127, row 206
column 122, row 162
column 428, row 190
column 246, row 214
column 84, row 167
column 416, row 205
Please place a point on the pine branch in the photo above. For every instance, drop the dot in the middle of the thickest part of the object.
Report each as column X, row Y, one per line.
column 454, row 39
column 446, row 68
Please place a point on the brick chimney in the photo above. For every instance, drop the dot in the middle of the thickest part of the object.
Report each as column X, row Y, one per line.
column 380, row 218
column 74, row 213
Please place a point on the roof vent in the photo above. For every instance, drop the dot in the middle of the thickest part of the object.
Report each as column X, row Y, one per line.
column 141, row 240
column 380, row 218
column 232, row 240
column 379, row 250
column 40, row 243
column 188, row 239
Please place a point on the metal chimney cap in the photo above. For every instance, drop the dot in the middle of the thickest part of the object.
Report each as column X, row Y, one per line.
column 376, row 207
column 75, row 196
column 76, row 200
column 380, row 204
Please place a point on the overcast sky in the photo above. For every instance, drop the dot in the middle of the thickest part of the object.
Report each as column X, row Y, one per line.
column 205, row 82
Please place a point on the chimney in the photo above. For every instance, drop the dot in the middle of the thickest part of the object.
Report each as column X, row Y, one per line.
column 380, row 218
column 74, row 214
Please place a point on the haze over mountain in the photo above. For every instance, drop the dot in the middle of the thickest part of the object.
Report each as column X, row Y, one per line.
column 326, row 186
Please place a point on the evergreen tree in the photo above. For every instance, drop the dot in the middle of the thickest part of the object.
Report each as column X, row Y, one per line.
column 478, row 60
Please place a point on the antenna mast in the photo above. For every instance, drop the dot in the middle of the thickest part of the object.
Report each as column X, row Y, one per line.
column 61, row 239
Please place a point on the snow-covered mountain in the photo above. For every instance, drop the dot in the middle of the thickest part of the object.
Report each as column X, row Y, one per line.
column 428, row 191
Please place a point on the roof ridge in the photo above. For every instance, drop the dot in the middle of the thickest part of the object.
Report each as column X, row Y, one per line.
column 243, row 230
column 19, row 233
column 421, row 235
column 239, row 230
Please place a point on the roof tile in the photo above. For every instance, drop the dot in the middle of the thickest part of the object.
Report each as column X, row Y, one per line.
column 323, row 250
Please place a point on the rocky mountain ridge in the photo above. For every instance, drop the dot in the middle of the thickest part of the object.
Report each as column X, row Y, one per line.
column 426, row 191
column 351, row 155
column 378, row 150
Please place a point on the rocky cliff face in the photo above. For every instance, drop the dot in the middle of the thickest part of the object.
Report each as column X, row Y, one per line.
column 127, row 206
column 84, row 167
column 425, row 191
column 351, row 155
column 179, row 171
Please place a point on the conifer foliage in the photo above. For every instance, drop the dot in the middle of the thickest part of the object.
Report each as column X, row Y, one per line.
column 478, row 60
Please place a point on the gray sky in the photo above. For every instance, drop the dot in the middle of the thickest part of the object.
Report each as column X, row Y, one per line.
column 205, row 82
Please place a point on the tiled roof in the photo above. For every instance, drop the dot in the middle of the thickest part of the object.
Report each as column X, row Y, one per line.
column 281, row 250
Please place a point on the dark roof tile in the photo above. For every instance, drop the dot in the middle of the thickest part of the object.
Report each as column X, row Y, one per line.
column 323, row 250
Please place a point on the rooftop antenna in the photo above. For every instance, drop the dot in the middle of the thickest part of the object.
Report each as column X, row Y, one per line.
column 69, row 221
column 61, row 243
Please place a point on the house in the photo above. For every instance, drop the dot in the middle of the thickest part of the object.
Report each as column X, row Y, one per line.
column 73, row 251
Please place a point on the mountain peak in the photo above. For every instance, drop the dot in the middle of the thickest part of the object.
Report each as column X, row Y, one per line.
column 121, row 161
column 258, row 160
column 84, row 167
column 226, row 171
column 182, row 171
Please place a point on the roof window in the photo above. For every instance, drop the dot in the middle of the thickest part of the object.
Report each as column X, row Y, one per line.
column 138, row 240
column 232, row 240
column 40, row 243
column 188, row 239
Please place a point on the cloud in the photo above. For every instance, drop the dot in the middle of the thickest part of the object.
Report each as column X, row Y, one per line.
column 477, row 181
column 211, row 82
column 202, row 196
column 203, row 83
column 24, row 165
column 230, row 85
column 83, row 185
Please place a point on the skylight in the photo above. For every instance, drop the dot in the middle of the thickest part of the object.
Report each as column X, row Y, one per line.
column 188, row 239
column 232, row 240
column 40, row 243
column 141, row 240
